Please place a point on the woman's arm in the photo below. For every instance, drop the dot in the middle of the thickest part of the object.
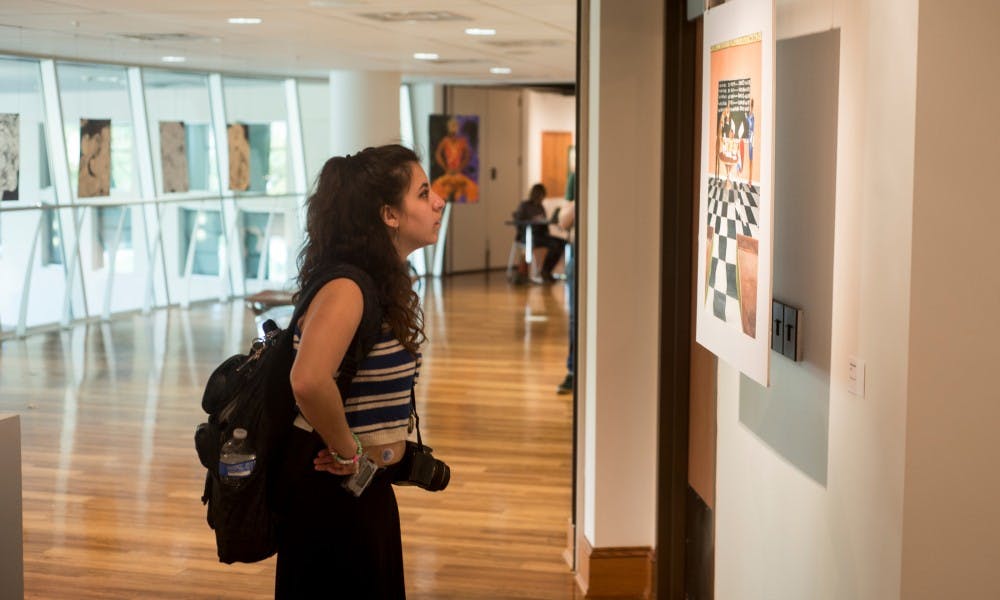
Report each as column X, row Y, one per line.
column 567, row 215
column 326, row 332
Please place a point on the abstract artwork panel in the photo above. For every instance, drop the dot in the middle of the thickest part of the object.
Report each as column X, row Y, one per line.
column 10, row 155
column 238, row 135
column 94, row 178
column 735, row 237
column 455, row 157
column 173, row 157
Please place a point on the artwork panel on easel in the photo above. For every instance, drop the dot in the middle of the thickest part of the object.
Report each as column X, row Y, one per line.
column 173, row 157
column 455, row 157
column 10, row 155
column 94, row 176
column 736, row 204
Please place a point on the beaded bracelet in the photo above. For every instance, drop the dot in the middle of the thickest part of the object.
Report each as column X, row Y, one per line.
column 357, row 453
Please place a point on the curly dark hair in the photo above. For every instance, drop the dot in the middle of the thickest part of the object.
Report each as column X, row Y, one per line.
column 344, row 225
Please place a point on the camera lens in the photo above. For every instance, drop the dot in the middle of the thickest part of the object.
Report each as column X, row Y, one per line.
column 420, row 468
column 441, row 476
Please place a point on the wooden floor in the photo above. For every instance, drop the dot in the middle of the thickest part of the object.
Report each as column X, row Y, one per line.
column 112, row 484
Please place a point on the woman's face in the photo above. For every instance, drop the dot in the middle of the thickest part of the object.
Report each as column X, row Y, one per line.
column 419, row 216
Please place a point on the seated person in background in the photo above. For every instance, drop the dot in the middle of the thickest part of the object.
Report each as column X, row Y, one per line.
column 532, row 210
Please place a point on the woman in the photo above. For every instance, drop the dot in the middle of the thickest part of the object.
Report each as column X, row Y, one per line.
column 532, row 210
column 368, row 213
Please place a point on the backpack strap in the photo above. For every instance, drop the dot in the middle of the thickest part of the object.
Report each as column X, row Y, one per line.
column 368, row 330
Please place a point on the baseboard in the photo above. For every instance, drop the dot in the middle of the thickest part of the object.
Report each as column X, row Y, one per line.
column 615, row 572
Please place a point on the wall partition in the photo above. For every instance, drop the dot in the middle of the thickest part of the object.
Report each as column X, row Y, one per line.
column 30, row 240
column 186, row 184
column 262, row 201
column 128, row 189
column 99, row 136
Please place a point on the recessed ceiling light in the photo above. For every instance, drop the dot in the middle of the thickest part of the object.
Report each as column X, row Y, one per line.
column 425, row 56
column 173, row 59
column 415, row 16
column 336, row 3
column 480, row 31
column 500, row 70
column 245, row 20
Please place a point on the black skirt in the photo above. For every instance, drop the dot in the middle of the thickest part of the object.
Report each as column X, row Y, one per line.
column 332, row 544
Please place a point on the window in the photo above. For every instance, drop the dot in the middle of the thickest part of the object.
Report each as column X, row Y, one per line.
column 259, row 105
column 52, row 243
column 107, row 220
column 207, row 251
column 178, row 104
column 258, row 237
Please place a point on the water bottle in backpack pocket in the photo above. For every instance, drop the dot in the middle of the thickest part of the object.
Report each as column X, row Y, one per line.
column 236, row 459
column 236, row 492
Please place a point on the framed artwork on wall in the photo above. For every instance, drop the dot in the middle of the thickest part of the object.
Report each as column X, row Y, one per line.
column 455, row 159
column 94, row 176
column 173, row 156
column 736, row 185
column 238, row 135
column 10, row 155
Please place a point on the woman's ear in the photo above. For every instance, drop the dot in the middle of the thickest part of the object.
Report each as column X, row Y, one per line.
column 389, row 216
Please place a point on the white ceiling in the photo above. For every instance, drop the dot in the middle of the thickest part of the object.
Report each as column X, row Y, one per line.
column 536, row 39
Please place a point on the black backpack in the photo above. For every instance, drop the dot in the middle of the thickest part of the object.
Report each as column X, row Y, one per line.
column 252, row 391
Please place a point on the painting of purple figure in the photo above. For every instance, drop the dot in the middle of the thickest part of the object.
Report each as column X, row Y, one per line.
column 455, row 158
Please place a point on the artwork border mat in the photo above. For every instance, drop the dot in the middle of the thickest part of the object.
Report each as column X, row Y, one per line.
column 735, row 23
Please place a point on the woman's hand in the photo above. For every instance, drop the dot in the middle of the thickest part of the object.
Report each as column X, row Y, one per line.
column 325, row 461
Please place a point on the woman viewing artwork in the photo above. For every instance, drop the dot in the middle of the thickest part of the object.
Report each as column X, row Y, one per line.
column 369, row 211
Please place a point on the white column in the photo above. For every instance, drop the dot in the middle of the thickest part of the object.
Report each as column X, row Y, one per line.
column 364, row 110
column 951, row 518
column 152, row 233
column 75, row 300
column 232, row 283
column 621, row 257
column 295, row 143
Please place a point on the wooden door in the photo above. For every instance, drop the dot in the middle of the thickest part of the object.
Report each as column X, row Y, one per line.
column 555, row 161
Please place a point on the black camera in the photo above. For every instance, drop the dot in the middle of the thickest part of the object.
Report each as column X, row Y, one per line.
column 420, row 468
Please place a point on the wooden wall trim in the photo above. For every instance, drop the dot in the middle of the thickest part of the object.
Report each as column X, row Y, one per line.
column 676, row 332
column 618, row 572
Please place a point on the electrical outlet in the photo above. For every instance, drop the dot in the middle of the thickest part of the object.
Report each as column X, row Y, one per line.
column 856, row 376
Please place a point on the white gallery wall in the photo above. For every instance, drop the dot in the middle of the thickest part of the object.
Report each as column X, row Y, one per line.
column 511, row 122
column 904, row 504
column 314, row 103
column 17, row 229
column 544, row 111
column 478, row 237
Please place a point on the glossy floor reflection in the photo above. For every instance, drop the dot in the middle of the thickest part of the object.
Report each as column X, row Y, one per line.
column 112, row 485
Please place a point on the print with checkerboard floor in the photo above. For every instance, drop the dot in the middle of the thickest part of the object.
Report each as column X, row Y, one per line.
column 732, row 210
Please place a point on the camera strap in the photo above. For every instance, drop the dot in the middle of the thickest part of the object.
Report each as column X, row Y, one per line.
column 416, row 417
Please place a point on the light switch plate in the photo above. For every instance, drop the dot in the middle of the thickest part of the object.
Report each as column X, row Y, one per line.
column 856, row 376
